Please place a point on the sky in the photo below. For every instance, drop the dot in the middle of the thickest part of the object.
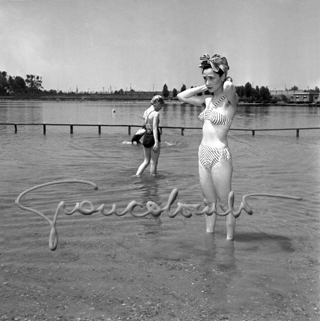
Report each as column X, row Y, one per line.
column 103, row 45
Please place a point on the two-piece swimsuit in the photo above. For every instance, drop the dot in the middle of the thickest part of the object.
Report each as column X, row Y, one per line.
column 210, row 156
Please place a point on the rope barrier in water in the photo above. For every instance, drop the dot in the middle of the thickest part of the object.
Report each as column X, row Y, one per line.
column 187, row 210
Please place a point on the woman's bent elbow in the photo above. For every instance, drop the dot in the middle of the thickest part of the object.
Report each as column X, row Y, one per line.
column 180, row 97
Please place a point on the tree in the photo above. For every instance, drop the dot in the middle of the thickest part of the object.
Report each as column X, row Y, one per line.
column 183, row 88
column 248, row 90
column 257, row 95
column 4, row 86
column 11, row 84
column 165, row 91
column 316, row 89
column 174, row 92
column 19, row 83
column 34, row 83
column 16, row 85
column 265, row 93
column 240, row 91
column 294, row 88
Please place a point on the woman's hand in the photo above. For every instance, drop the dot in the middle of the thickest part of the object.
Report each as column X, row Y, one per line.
column 156, row 147
column 228, row 84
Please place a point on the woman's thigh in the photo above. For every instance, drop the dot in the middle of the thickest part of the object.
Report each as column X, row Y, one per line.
column 207, row 186
column 217, row 184
column 221, row 174
column 147, row 153
column 155, row 155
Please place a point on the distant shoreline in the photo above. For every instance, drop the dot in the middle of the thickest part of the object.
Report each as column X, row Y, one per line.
column 118, row 98
column 78, row 97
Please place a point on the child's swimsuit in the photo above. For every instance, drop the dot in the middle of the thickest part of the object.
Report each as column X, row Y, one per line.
column 210, row 156
column 149, row 128
column 148, row 140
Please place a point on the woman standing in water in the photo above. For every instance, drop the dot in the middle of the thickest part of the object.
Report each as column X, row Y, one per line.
column 152, row 137
column 215, row 163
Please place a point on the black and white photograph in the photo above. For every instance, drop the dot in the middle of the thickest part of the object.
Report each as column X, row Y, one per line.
column 160, row 160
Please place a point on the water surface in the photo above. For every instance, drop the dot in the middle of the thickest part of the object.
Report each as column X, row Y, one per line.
column 271, row 247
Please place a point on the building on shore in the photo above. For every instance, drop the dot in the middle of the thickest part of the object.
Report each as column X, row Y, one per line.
column 297, row 96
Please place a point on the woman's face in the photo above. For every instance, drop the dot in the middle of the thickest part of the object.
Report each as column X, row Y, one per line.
column 157, row 106
column 212, row 79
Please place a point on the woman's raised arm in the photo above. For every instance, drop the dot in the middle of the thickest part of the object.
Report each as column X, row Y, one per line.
column 189, row 95
column 230, row 91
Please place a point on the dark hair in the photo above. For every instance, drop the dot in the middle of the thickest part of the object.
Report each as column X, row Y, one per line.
column 207, row 66
column 160, row 100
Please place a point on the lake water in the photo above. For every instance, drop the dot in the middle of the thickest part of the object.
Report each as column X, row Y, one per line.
column 281, row 232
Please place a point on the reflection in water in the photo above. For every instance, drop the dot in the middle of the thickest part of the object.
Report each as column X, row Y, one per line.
column 219, row 272
column 22, row 112
column 149, row 189
column 211, row 249
column 223, row 255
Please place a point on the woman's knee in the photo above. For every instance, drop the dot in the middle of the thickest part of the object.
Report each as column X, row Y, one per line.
column 147, row 161
column 154, row 162
column 208, row 202
column 155, row 157
column 224, row 205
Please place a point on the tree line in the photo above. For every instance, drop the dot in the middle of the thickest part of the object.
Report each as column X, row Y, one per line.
column 246, row 93
column 15, row 85
column 32, row 84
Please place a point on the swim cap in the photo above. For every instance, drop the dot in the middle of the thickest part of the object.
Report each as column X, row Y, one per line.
column 157, row 99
